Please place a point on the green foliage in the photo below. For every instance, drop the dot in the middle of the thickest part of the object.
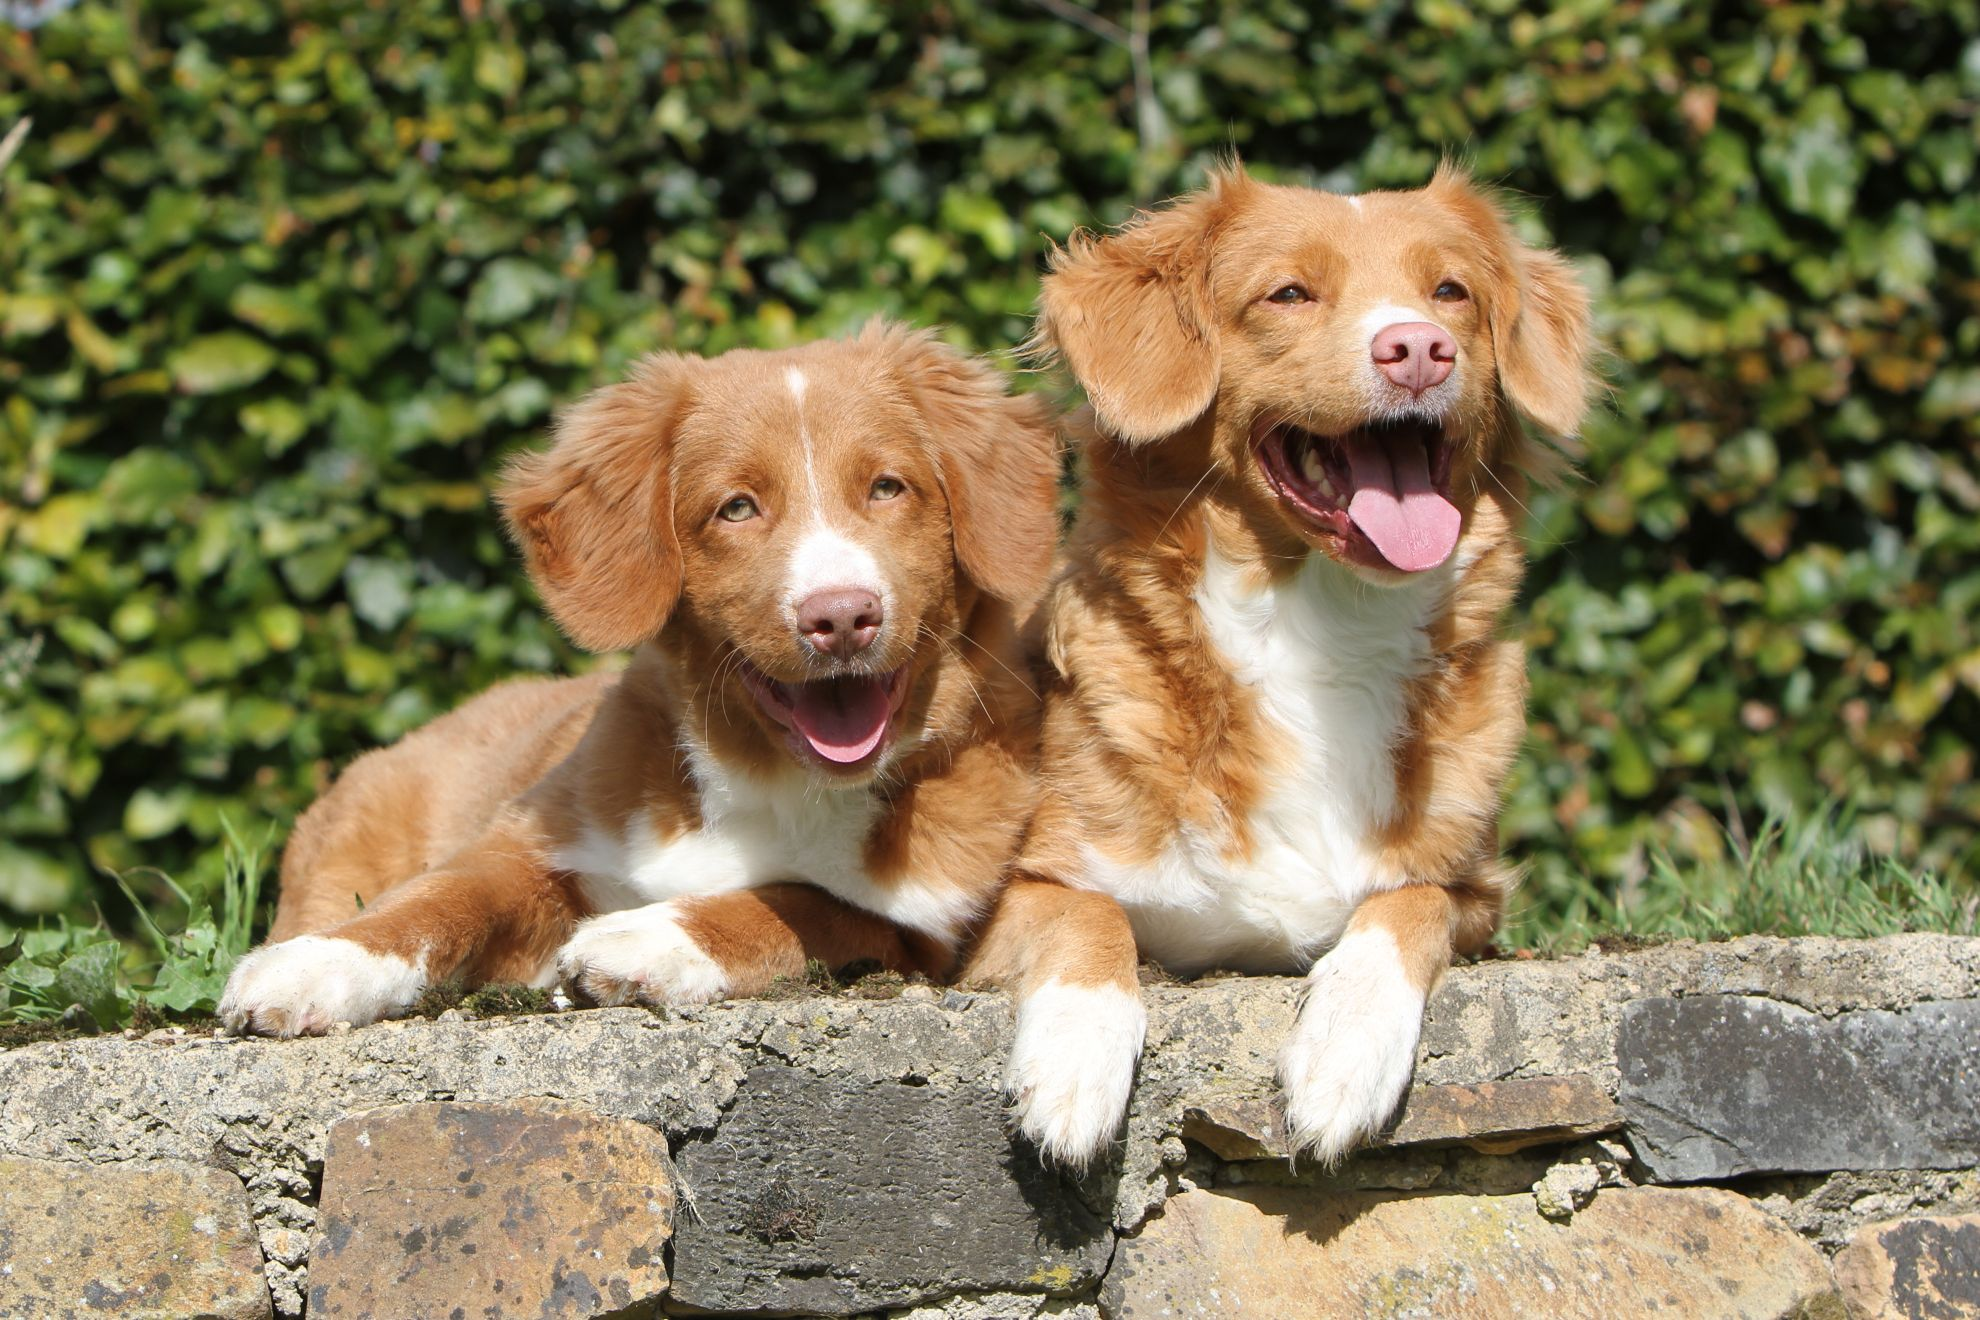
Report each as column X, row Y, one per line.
column 280, row 283
column 1808, row 874
column 48, row 973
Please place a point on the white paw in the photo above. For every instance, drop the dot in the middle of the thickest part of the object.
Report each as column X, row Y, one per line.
column 640, row 955
column 304, row 986
column 1072, row 1067
column 1349, row 1060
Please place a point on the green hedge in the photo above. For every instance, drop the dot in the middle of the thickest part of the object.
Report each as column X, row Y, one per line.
column 280, row 282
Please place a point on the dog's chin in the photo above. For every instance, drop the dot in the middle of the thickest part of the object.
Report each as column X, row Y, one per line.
column 839, row 727
column 1389, row 526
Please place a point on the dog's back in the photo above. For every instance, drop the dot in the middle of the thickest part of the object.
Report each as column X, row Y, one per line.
column 403, row 810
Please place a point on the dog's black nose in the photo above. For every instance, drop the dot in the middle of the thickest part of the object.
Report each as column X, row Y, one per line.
column 840, row 623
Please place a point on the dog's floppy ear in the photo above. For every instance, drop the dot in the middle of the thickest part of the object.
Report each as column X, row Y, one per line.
column 1131, row 314
column 1545, row 354
column 1542, row 332
column 997, row 455
column 594, row 512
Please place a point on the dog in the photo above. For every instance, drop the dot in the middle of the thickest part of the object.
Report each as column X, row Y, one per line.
column 1280, row 715
column 821, row 747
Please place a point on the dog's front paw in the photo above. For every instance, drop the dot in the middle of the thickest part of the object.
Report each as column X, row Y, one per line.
column 639, row 956
column 304, row 986
column 1349, row 1061
column 1072, row 1066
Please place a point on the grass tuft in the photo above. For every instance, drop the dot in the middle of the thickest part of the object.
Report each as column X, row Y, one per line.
column 87, row 977
column 1809, row 874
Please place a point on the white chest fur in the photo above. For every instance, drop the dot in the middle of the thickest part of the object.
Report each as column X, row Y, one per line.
column 758, row 831
column 1330, row 658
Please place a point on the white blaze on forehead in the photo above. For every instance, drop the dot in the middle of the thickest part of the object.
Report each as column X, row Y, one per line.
column 794, row 379
column 1355, row 202
column 824, row 558
column 828, row 560
column 1378, row 319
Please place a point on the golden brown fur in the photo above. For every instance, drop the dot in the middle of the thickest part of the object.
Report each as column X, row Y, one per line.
column 1200, row 333
column 528, row 821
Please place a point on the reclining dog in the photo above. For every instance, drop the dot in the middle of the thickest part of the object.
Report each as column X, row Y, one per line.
column 821, row 748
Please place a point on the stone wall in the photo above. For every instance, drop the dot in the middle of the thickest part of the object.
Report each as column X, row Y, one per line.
column 1756, row 1128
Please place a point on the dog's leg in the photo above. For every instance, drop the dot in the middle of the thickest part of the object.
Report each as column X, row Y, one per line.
column 1068, row 957
column 720, row 946
column 1348, row 1062
column 495, row 912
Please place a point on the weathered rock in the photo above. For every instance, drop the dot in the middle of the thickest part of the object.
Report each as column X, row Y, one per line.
column 1565, row 1189
column 1000, row 1306
column 1913, row 1269
column 523, row 1209
column 1828, row 1208
column 1724, row 1085
column 829, row 1196
column 262, row 1109
column 1291, row 1252
column 163, row 1239
column 1493, row 1117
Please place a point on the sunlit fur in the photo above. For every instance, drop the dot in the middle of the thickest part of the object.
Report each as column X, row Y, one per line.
column 477, row 846
column 1254, row 744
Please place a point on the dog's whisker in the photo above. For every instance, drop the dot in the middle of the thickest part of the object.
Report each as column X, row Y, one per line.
column 998, row 661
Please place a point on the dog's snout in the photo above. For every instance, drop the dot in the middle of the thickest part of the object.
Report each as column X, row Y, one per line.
column 840, row 623
column 1414, row 354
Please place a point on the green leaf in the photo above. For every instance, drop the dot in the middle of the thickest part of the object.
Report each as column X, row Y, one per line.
column 380, row 591
column 1816, row 168
column 151, row 813
column 89, row 977
column 276, row 311
column 212, row 364
column 141, row 487
column 32, row 881
column 509, row 288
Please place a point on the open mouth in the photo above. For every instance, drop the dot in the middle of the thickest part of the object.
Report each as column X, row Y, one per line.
column 842, row 722
column 1383, row 490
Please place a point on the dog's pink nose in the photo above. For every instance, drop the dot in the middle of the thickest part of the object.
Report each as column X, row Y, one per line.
column 840, row 623
column 1414, row 354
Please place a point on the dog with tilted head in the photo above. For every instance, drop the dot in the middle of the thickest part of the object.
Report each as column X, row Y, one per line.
column 1280, row 711
column 822, row 747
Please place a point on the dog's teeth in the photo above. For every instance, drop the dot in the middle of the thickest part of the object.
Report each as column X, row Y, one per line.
column 1326, row 488
column 1312, row 467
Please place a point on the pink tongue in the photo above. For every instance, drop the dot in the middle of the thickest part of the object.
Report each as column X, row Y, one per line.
column 1395, row 505
column 843, row 720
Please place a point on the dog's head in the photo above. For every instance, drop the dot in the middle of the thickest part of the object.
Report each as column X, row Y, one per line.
column 1364, row 359
column 805, row 532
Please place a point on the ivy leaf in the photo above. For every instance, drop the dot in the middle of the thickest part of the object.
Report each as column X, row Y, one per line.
column 508, row 289
column 1816, row 168
column 275, row 311
column 213, row 364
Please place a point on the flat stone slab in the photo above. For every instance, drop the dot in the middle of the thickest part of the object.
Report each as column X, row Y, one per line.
column 490, row 1210
column 1492, row 1117
column 1913, row 1269
column 1284, row 1251
column 1723, row 1085
column 834, row 1195
column 163, row 1239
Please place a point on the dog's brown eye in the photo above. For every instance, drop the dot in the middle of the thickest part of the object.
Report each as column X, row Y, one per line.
column 1288, row 295
column 740, row 509
column 1451, row 291
column 888, row 488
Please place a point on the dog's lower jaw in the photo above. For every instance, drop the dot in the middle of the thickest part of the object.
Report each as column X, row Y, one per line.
column 307, row 985
column 1071, row 1067
column 1347, row 1065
